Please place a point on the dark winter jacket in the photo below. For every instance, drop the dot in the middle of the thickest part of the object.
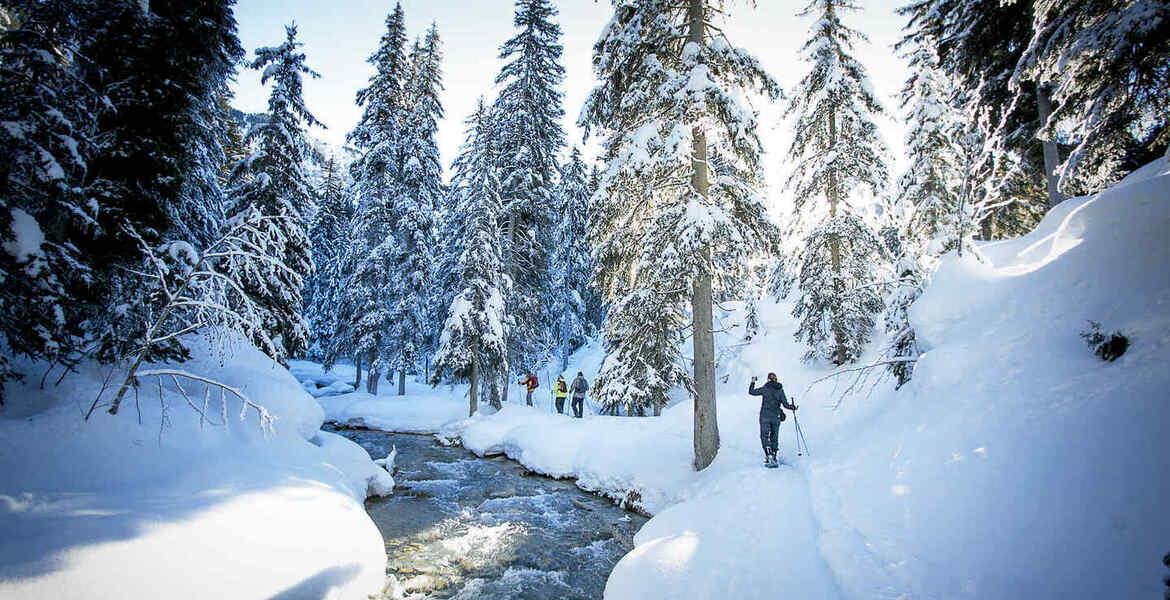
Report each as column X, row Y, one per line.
column 774, row 398
column 580, row 387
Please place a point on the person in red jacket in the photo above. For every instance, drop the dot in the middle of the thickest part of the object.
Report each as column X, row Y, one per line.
column 531, row 383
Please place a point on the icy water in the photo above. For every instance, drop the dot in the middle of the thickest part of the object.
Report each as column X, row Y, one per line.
column 459, row 526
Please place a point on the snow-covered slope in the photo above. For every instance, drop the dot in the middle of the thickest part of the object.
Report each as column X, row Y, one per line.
column 1015, row 465
column 121, row 508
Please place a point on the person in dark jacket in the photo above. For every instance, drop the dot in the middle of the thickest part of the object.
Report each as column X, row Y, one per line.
column 771, row 414
column 580, row 386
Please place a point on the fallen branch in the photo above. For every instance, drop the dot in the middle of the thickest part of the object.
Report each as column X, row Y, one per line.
column 861, row 370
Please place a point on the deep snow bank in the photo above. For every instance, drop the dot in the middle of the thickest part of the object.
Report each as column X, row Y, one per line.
column 115, row 508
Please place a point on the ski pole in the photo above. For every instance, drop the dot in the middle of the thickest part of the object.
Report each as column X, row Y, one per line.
column 799, row 435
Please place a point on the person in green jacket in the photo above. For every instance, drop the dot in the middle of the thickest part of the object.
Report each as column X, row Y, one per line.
column 560, row 392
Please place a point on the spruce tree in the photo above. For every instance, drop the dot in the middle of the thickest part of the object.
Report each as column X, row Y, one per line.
column 473, row 344
column 1106, row 66
column 528, row 124
column 836, row 150
column 107, row 109
column 364, row 319
column 416, row 198
column 272, row 181
column 572, row 263
column 929, row 189
column 979, row 44
column 46, row 139
column 328, row 234
column 677, row 209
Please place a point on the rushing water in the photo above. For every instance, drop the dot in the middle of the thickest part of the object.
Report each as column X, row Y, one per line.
column 459, row 526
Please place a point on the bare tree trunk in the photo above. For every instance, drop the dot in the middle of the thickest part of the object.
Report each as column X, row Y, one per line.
column 495, row 397
column 706, row 433
column 840, row 353
column 1051, row 152
column 357, row 380
column 987, row 227
column 474, row 384
column 372, row 380
column 402, row 381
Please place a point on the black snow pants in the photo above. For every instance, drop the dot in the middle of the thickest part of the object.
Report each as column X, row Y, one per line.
column 561, row 404
column 578, row 407
column 770, row 435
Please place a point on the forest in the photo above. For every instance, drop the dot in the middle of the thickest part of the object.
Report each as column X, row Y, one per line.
column 148, row 224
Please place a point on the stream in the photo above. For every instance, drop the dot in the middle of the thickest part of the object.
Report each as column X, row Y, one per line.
column 459, row 526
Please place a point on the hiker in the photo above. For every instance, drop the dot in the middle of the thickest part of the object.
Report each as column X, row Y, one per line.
column 580, row 386
column 560, row 391
column 531, row 383
column 771, row 414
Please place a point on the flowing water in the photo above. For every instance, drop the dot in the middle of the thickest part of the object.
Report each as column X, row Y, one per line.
column 459, row 526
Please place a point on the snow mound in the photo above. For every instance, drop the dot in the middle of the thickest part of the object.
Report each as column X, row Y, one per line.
column 150, row 504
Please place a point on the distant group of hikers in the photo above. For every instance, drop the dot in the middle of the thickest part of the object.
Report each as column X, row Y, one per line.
column 771, row 406
column 561, row 390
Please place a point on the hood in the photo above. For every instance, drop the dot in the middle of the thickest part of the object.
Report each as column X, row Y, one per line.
column 774, row 385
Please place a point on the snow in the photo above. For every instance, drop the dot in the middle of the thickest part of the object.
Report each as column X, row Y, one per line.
column 1014, row 465
column 118, row 508
column 422, row 410
column 27, row 237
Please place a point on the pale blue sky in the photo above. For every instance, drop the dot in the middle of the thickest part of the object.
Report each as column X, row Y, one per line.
column 340, row 34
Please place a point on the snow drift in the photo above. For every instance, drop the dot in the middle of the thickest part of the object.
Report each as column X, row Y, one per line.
column 131, row 506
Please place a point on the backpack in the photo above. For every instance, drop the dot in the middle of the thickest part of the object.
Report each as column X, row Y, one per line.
column 562, row 386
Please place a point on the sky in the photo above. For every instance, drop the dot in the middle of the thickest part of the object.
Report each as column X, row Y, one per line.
column 339, row 35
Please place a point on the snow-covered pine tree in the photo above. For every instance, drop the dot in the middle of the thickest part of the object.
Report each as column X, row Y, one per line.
column 979, row 45
column 363, row 319
column 528, row 116
column 272, row 181
column 106, row 109
column 46, row 139
column 836, row 150
column 473, row 345
column 329, row 236
column 207, row 33
column 414, row 202
column 929, row 189
column 666, row 227
column 1106, row 66
column 573, row 263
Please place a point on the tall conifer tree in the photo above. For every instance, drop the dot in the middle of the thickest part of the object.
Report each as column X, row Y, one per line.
column 473, row 343
column 272, row 181
column 364, row 319
column 836, row 150
column 528, row 124
column 677, row 210
column 416, row 198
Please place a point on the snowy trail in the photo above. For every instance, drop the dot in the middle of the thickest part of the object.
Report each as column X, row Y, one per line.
column 741, row 537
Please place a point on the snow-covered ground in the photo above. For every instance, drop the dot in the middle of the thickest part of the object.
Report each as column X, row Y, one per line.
column 118, row 507
column 1015, row 464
